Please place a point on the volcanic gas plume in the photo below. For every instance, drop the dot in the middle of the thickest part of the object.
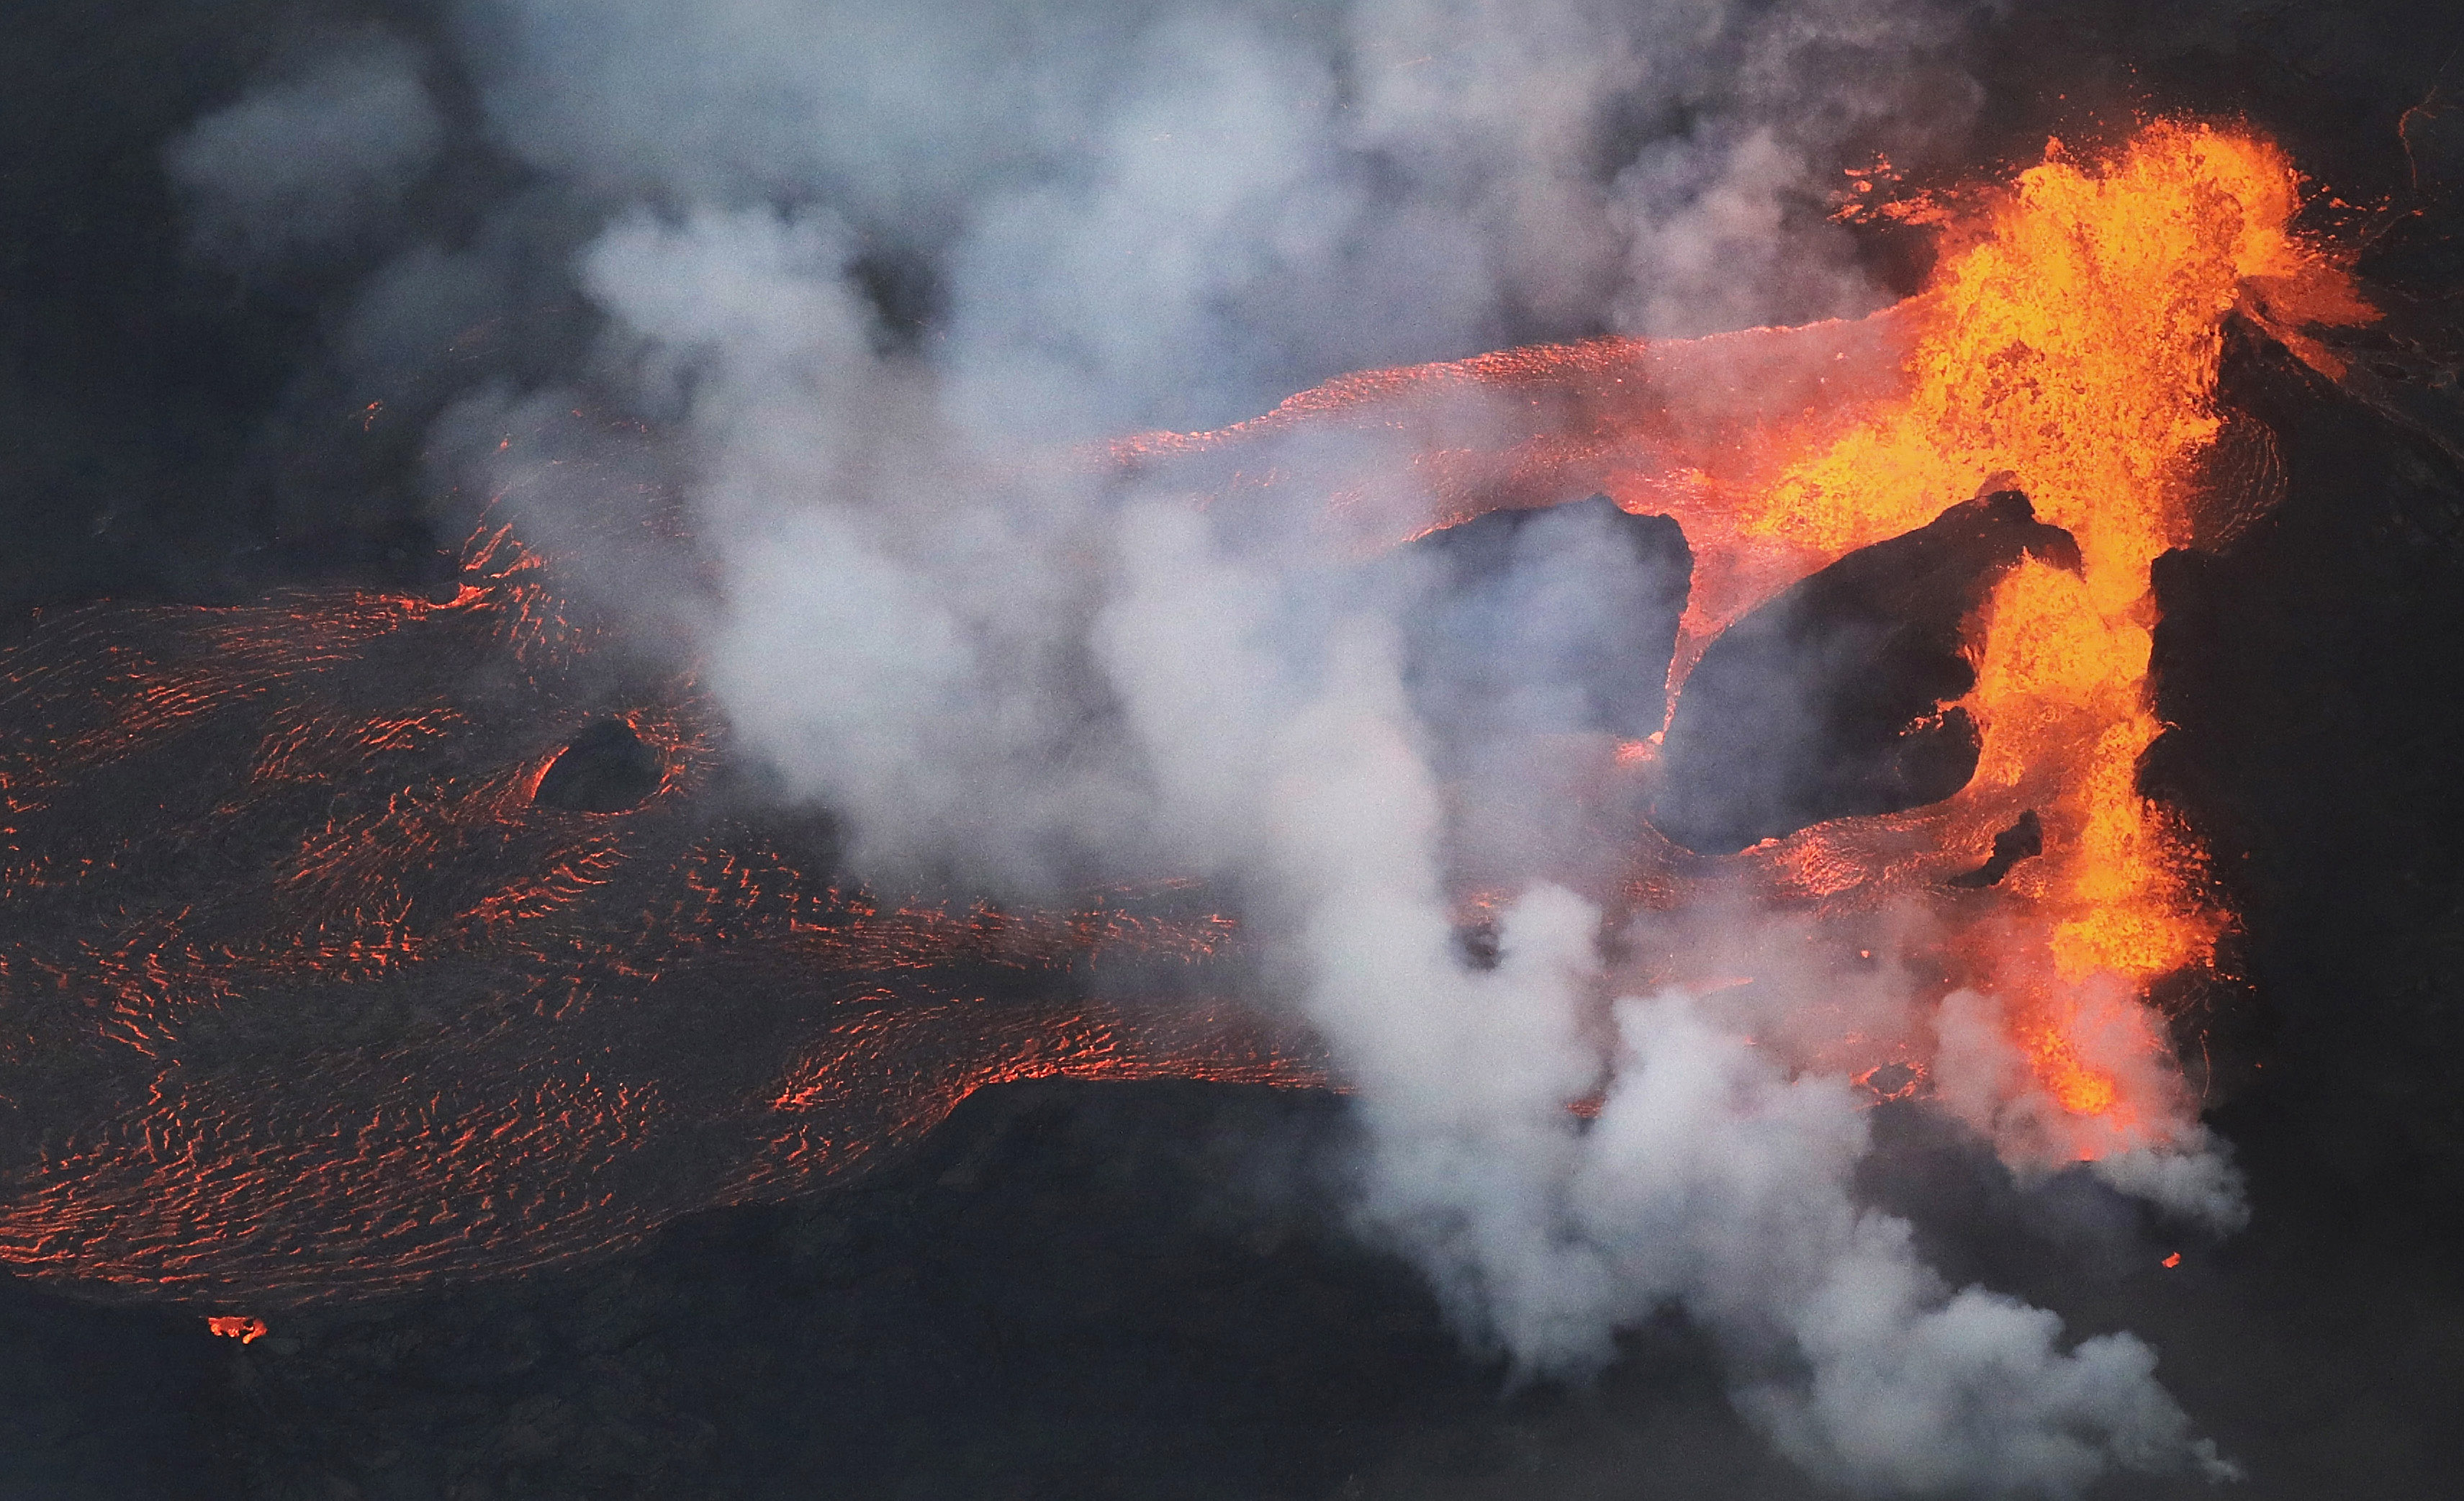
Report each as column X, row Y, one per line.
column 365, row 939
column 2067, row 350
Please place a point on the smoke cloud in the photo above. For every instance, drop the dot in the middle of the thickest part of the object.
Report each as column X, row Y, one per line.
column 871, row 274
column 307, row 163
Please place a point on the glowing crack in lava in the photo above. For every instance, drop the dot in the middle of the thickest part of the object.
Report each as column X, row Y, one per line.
column 357, row 940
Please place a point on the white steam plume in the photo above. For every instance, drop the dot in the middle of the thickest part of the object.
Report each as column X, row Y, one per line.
column 1711, row 1179
column 1123, row 214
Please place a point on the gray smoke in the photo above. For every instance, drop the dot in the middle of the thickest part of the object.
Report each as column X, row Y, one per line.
column 1720, row 1182
column 307, row 162
column 872, row 273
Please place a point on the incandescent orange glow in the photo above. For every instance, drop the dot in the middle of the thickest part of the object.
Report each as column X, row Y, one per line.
column 326, row 996
column 2076, row 1087
column 232, row 1326
column 2068, row 346
column 317, row 993
column 2070, row 351
column 2074, row 346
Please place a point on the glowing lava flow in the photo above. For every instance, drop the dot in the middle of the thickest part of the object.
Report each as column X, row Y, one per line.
column 324, row 978
column 2069, row 342
column 332, row 965
column 2074, row 346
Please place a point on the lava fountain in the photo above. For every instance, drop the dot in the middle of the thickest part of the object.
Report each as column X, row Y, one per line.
column 323, row 980
column 2066, row 351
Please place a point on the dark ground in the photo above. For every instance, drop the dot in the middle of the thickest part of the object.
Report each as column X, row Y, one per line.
column 1140, row 1291
column 1116, row 1291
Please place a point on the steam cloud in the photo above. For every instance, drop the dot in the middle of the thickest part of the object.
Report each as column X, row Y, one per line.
column 872, row 269
column 311, row 160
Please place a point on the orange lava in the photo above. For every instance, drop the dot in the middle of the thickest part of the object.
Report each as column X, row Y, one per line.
column 2074, row 1085
column 2074, row 346
column 2068, row 346
column 307, row 993
column 233, row 1326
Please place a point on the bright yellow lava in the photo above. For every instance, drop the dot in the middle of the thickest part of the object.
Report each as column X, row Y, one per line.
column 2074, row 346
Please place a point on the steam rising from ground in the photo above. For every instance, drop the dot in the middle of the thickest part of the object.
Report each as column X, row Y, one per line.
column 870, row 270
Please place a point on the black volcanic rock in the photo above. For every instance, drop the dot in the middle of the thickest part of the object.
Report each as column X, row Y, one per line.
column 2312, row 671
column 2023, row 840
column 107, row 1401
column 604, row 769
column 1827, row 699
column 1548, row 621
column 1149, row 1293
column 1076, row 1291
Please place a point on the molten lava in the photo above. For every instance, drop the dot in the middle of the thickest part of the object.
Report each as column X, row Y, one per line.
column 359, row 940
column 2073, row 345
column 2067, row 347
column 355, row 940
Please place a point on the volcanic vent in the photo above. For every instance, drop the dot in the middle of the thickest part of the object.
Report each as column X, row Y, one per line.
column 409, row 968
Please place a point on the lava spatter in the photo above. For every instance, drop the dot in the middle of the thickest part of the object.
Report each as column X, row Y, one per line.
column 307, row 991
column 2066, row 348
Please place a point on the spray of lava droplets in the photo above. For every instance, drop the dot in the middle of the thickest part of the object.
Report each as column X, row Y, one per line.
column 2067, row 346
